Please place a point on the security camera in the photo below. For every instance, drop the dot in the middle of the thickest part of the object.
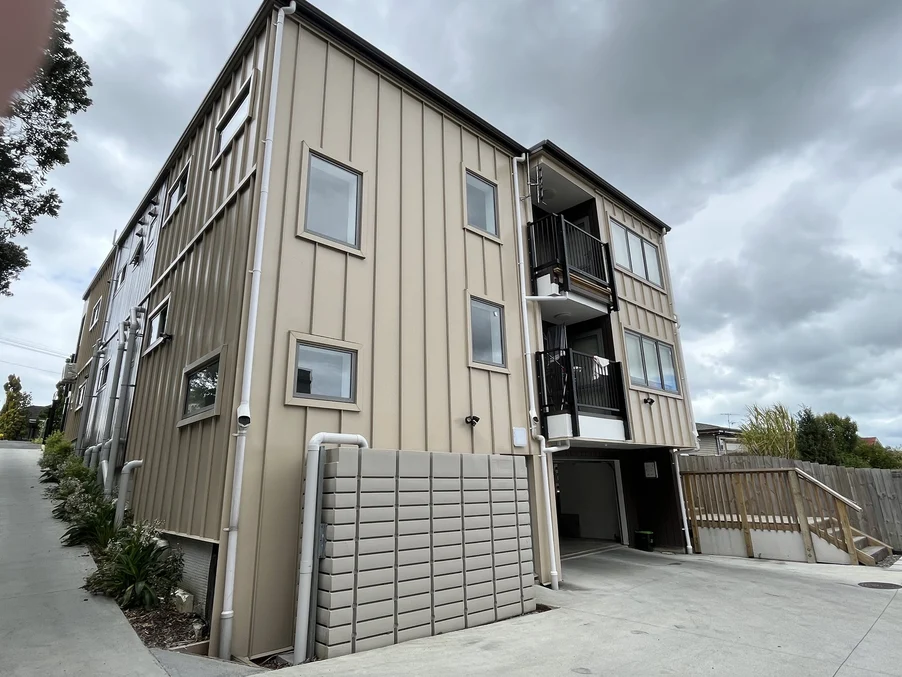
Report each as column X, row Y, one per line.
column 471, row 420
column 648, row 400
column 244, row 415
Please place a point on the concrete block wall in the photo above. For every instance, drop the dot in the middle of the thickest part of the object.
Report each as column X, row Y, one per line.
column 419, row 544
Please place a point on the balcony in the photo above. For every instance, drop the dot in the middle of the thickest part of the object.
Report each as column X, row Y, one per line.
column 570, row 262
column 581, row 395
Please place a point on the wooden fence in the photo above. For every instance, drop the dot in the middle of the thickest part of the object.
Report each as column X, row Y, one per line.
column 878, row 492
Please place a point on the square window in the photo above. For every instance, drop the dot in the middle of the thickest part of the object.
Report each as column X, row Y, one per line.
column 232, row 124
column 201, row 387
column 333, row 201
column 481, row 204
column 487, row 329
column 177, row 194
column 325, row 373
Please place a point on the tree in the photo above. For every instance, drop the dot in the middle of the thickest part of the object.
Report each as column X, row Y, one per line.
column 815, row 438
column 844, row 432
column 14, row 414
column 769, row 431
column 35, row 134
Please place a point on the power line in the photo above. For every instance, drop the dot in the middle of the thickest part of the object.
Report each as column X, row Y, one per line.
column 7, row 339
column 34, row 349
column 28, row 366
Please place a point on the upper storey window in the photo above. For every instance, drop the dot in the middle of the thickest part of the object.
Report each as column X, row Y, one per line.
column 636, row 254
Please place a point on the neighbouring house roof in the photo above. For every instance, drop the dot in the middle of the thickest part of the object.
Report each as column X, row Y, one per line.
column 709, row 429
column 870, row 441
column 578, row 167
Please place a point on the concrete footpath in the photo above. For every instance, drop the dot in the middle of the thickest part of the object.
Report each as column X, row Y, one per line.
column 48, row 624
column 625, row 612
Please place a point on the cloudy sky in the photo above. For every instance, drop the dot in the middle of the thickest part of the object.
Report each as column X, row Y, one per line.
column 767, row 134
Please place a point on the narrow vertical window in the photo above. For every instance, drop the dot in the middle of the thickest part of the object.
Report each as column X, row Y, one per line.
column 487, row 329
column 481, row 205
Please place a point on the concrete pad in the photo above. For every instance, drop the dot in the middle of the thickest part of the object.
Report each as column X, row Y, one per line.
column 625, row 612
column 188, row 665
column 49, row 625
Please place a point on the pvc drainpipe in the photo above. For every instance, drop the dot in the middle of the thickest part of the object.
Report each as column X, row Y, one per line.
column 123, row 489
column 530, row 379
column 308, row 533
column 114, row 384
column 679, row 479
column 244, row 406
column 86, row 409
column 134, row 326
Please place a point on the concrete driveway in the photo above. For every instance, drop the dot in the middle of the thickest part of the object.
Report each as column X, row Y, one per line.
column 625, row 612
column 48, row 624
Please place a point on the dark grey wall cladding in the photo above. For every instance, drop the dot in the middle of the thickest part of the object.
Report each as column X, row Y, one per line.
column 419, row 544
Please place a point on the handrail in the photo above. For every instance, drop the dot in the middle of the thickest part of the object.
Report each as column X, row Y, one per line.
column 830, row 491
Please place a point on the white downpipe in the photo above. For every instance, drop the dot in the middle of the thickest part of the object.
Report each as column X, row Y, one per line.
column 530, row 379
column 244, row 407
column 676, row 465
column 104, row 469
column 124, row 479
column 134, row 326
column 114, row 383
column 308, row 533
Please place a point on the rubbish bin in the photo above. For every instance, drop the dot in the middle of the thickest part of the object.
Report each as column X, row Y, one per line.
column 645, row 540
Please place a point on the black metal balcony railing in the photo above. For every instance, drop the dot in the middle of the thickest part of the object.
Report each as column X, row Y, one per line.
column 572, row 383
column 555, row 243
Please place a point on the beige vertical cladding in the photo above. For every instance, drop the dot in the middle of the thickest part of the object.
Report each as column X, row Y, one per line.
column 401, row 299
column 419, row 544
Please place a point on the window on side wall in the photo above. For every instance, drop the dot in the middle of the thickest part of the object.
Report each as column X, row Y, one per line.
column 636, row 254
column 80, row 396
column 201, row 388
column 232, row 122
column 156, row 325
column 177, row 194
column 651, row 363
column 333, row 201
column 482, row 205
column 95, row 313
column 104, row 376
column 487, row 333
column 325, row 372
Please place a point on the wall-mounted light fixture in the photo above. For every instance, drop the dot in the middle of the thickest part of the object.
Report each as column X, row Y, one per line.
column 648, row 400
column 471, row 420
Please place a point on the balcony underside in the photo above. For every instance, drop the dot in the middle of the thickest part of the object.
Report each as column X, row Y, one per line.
column 579, row 304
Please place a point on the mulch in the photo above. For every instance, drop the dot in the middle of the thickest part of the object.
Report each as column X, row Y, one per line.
column 164, row 627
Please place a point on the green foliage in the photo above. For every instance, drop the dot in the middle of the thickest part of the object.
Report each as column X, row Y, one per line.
column 57, row 451
column 874, row 456
column 34, row 137
column 92, row 524
column 769, row 431
column 14, row 414
column 136, row 569
column 815, row 439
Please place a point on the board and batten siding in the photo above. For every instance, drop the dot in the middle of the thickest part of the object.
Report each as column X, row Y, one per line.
column 202, row 268
column 646, row 309
column 404, row 302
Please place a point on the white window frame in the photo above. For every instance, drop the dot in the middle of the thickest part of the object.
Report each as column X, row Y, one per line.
column 465, row 170
column 246, row 91
column 658, row 343
column 169, row 209
column 364, row 211
column 80, row 395
column 153, row 342
column 184, row 419
column 101, row 381
column 488, row 366
column 95, row 314
column 643, row 242
column 326, row 343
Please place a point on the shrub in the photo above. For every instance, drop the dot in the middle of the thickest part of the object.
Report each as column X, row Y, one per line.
column 57, row 450
column 136, row 569
column 77, row 487
column 91, row 523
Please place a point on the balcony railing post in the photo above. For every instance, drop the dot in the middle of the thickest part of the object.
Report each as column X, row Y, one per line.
column 573, row 402
column 565, row 251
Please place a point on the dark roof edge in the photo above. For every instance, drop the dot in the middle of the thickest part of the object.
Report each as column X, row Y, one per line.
column 94, row 279
column 340, row 33
column 575, row 165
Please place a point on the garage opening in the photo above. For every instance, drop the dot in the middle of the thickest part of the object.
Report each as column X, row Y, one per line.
column 590, row 513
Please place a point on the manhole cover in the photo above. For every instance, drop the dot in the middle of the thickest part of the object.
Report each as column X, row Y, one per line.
column 880, row 586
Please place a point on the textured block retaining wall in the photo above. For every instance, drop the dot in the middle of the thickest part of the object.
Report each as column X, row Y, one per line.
column 419, row 544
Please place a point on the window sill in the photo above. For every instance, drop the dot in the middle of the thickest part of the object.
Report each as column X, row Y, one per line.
column 654, row 391
column 639, row 278
column 489, row 367
column 326, row 242
column 195, row 418
column 316, row 403
column 483, row 233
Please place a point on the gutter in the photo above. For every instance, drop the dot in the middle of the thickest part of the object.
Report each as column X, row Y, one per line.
column 244, row 406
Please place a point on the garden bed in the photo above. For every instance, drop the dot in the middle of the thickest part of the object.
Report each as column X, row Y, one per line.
column 166, row 628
